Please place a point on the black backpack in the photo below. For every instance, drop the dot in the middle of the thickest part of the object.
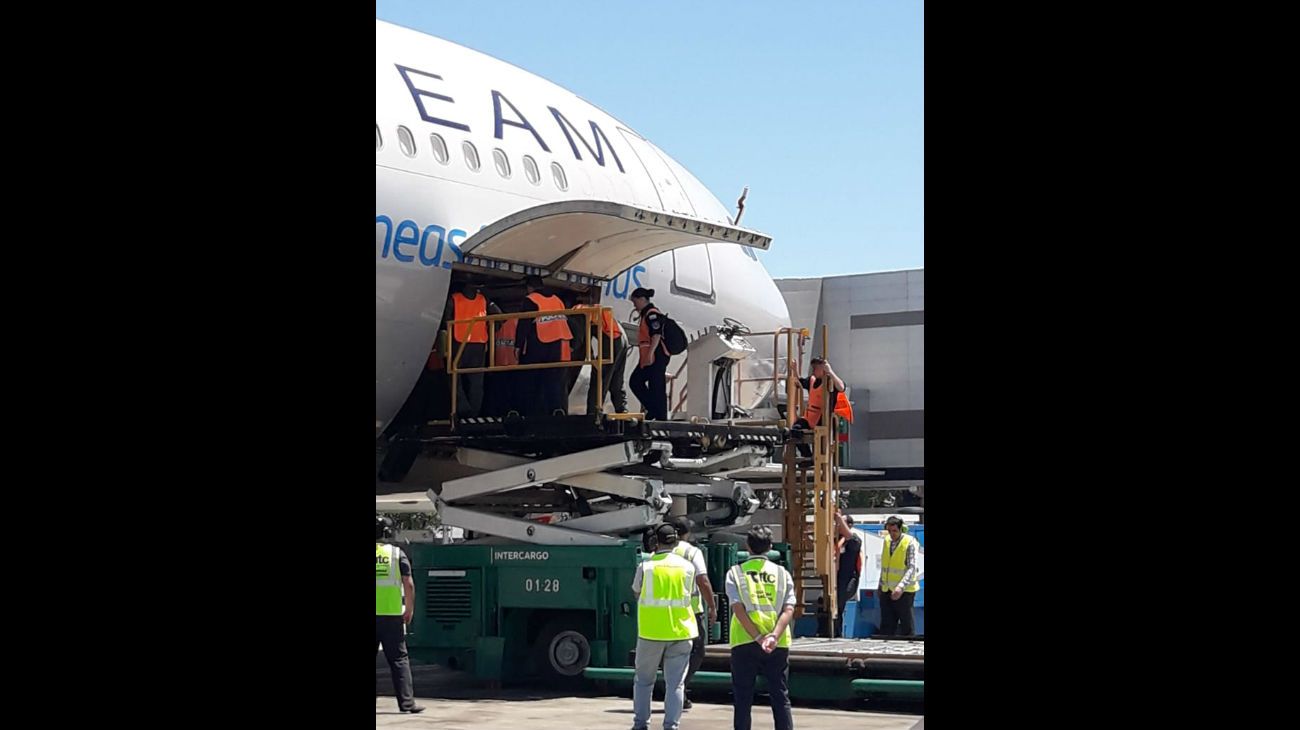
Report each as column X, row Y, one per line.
column 674, row 337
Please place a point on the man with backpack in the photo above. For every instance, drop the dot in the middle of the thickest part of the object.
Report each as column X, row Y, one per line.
column 649, row 382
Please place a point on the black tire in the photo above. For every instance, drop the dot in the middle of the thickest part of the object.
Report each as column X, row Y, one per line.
column 563, row 650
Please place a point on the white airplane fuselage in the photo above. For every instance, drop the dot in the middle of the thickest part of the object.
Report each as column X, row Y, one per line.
column 434, row 100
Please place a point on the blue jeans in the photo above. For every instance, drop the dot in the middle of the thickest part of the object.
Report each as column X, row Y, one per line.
column 676, row 656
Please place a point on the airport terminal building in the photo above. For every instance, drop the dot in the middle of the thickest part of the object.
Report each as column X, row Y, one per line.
column 876, row 344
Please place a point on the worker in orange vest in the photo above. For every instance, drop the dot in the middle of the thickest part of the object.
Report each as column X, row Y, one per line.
column 501, row 390
column 465, row 304
column 612, row 343
column 649, row 380
column 544, row 339
column 817, row 386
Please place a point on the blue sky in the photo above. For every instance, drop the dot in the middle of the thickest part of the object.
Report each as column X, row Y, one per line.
column 817, row 107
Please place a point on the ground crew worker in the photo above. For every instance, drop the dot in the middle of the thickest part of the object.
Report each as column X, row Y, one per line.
column 579, row 327
column 898, row 583
column 701, row 598
column 544, row 339
column 665, row 626
column 816, row 385
column 762, row 601
column 612, row 343
column 466, row 304
column 849, row 569
column 500, row 388
column 649, row 381
column 394, row 607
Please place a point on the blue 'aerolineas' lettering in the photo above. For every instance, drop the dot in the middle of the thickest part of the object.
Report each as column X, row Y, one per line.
column 401, row 239
column 424, row 246
column 625, row 283
column 407, row 233
column 451, row 241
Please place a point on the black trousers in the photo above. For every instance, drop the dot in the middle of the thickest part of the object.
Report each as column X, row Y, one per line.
column 747, row 662
column 805, row 449
column 543, row 391
column 697, row 647
column 500, row 394
column 650, row 386
column 896, row 616
column 388, row 631
column 847, row 590
column 469, row 386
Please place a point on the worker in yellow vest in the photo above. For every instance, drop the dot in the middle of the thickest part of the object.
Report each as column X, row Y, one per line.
column 394, row 607
column 898, row 580
column 762, row 607
column 665, row 626
column 702, row 598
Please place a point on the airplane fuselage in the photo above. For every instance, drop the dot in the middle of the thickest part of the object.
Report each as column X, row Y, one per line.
column 463, row 140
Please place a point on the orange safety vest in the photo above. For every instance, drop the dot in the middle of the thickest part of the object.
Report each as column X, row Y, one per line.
column 469, row 309
column 817, row 397
column 843, row 408
column 643, row 339
column 550, row 327
column 507, row 351
column 812, row 413
column 606, row 320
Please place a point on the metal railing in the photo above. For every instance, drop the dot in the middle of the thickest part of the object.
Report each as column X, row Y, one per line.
column 595, row 345
column 813, row 493
column 794, row 394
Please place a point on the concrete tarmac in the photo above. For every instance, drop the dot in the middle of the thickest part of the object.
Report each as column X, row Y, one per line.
column 455, row 701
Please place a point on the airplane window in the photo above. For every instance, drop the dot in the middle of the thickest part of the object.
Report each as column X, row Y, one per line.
column 379, row 139
column 439, row 148
column 471, row 156
column 561, row 181
column 503, row 163
column 407, row 141
column 530, row 169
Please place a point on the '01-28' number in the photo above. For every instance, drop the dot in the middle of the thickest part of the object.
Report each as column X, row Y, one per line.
column 542, row 585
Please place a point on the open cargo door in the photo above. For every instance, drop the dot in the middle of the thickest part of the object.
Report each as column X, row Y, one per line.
column 587, row 241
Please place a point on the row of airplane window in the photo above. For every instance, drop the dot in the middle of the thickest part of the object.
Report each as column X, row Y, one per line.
column 406, row 141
